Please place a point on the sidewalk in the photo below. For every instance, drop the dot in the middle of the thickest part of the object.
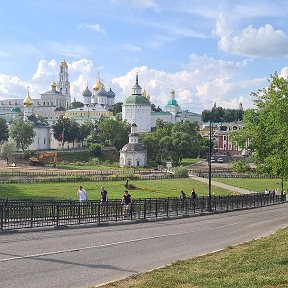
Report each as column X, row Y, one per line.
column 221, row 185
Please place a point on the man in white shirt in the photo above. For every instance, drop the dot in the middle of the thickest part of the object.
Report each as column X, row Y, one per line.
column 82, row 194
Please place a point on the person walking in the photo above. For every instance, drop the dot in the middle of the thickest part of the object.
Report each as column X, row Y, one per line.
column 81, row 192
column 127, row 202
column 104, row 200
column 193, row 198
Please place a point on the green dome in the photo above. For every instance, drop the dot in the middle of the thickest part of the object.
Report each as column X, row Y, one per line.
column 16, row 109
column 172, row 102
column 136, row 100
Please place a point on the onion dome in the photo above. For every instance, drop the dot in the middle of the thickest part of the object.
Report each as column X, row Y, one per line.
column 98, row 85
column 53, row 85
column 102, row 92
column 87, row 92
column 27, row 102
column 110, row 94
column 64, row 63
column 144, row 93
column 172, row 91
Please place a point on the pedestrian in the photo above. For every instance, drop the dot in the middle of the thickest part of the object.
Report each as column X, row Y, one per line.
column 104, row 196
column 81, row 192
column 104, row 200
column 183, row 199
column 127, row 202
column 193, row 194
column 193, row 198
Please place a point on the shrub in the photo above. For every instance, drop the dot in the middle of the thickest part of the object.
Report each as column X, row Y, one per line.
column 94, row 150
column 180, row 171
column 240, row 166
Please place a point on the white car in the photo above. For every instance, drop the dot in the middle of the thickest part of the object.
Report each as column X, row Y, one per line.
column 212, row 160
column 220, row 160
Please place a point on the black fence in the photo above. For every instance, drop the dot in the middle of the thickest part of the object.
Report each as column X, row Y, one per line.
column 19, row 214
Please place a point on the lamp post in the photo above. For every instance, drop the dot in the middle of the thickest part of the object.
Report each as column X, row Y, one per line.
column 209, row 204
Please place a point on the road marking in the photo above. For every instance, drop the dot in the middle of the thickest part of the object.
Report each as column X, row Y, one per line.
column 124, row 242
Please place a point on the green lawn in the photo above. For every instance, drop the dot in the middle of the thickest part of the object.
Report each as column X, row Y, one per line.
column 257, row 185
column 146, row 189
column 257, row 264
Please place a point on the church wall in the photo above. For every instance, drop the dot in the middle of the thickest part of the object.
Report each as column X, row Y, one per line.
column 42, row 139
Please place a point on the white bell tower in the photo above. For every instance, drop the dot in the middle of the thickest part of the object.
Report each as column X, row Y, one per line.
column 64, row 84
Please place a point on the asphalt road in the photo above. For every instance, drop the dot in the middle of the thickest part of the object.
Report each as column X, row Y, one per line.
column 85, row 257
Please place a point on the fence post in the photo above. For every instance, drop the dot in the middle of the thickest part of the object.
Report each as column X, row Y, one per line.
column 57, row 214
column 2, row 217
column 145, row 207
column 32, row 214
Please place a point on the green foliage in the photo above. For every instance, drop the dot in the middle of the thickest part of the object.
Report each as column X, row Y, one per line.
column 117, row 108
column 80, row 156
column 180, row 171
column 113, row 132
column 27, row 154
column 22, row 132
column 76, row 104
column 240, row 166
column 7, row 150
column 266, row 126
column 4, row 132
column 173, row 142
column 94, row 150
column 219, row 114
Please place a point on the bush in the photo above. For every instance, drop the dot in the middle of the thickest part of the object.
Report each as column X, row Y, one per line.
column 180, row 171
column 240, row 167
column 94, row 150
column 27, row 154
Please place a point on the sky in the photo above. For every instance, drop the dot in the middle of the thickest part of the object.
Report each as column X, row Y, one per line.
column 207, row 51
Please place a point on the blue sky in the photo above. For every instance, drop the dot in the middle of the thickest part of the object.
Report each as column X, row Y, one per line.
column 207, row 51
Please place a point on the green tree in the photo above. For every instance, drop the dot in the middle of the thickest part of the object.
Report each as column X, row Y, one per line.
column 4, row 132
column 117, row 108
column 7, row 150
column 113, row 132
column 76, row 104
column 22, row 132
column 84, row 131
column 267, row 129
column 94, row 150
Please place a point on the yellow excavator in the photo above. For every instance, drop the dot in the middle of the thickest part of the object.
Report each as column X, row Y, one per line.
column 40, row 159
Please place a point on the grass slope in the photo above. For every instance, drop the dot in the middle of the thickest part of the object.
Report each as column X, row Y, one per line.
column 256, row 264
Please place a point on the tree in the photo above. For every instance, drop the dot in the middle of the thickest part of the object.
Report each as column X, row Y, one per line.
column 4, row 132
column 84, row 131
column 95, row 150
column 267, row 129
column 76, row 104
column 113, row 132
column 117, row 108
column 22, row 132
column 7, row 150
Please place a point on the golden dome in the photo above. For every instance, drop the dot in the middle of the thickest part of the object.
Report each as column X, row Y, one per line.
column 53, row 85
column 172, row 91
column 27, row 102
column 64, row 63
column 98, row 85
column 144, row 93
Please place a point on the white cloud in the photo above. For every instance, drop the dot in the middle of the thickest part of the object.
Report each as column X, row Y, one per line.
column 94, row 27
column 200, row 83
column 252, row 42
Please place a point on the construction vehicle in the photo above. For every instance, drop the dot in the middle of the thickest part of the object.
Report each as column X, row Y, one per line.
column 41, row 158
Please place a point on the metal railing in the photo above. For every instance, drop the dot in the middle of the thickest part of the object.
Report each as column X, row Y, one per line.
column 20, row 214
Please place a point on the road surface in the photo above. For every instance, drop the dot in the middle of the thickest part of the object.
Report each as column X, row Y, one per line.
column 85, row 257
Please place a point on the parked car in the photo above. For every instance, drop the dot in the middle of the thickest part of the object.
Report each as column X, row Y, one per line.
column 220, row 160
column 212, row 160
